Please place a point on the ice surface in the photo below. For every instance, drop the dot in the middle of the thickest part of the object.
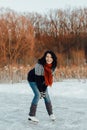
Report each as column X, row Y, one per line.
column 69, row 99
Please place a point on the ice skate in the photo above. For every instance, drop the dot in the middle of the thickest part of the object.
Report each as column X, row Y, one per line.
column 52, row 117
column 33, row 119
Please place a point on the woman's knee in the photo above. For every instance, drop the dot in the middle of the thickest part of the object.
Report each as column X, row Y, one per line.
column 47, row 98
column 36, row 99
column 37, row 95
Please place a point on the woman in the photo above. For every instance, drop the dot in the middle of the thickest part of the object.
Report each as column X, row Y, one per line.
column 39, row 78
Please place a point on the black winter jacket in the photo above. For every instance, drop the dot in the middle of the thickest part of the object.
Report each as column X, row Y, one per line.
column 37, row 75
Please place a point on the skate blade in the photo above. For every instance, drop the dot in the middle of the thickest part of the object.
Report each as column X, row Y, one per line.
column 33, row 122
column 53, row 120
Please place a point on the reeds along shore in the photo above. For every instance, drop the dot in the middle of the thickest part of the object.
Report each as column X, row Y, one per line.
column 14, row 74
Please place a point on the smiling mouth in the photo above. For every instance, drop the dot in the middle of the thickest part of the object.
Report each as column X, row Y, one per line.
column 48, row 61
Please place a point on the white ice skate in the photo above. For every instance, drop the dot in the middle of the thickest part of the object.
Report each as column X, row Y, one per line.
column 52, row 117
column 33, row 119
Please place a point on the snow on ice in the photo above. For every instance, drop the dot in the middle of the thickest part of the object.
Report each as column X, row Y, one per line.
column 69, row 99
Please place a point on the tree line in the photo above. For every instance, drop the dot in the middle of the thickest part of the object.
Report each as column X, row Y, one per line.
column 25, row 36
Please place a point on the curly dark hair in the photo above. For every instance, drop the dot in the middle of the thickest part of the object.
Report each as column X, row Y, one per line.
column 42, row 60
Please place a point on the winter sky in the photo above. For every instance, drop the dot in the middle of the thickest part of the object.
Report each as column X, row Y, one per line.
column 41, row 6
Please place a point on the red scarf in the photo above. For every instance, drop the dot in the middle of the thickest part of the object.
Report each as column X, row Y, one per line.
column 48, row 74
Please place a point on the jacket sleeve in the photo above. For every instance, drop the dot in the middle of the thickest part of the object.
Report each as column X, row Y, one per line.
column 39, row 77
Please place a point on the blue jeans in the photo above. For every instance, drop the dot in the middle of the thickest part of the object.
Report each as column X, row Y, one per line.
column 36, row 92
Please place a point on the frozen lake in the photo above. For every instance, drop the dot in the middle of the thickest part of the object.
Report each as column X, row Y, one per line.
column 69, row 99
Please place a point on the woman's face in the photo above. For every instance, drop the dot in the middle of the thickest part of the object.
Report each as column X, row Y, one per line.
column 49, row 58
